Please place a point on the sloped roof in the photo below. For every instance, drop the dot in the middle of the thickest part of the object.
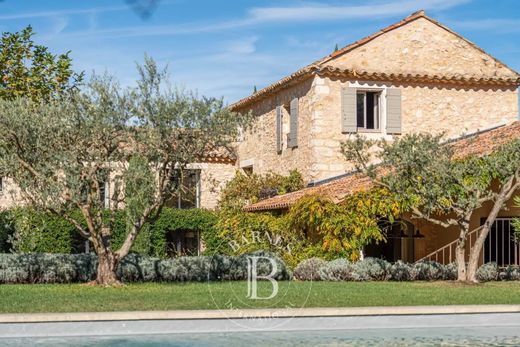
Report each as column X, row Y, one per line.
column 319, row 67
column 480, row 143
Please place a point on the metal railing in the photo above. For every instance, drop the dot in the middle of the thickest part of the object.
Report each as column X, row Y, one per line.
column 500, row 246
column 446, row 254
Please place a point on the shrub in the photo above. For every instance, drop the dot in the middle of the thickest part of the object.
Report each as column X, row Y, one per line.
column 309, row 270
column 67, row 268
column 450, row 272
column 186, row 269
column 371, row 269
column 32, row 231
column 46, row 268
column 488, row 272
column 400, row 271
column 427, row 271
column 510, row 273
column 138, row 268
column 337, row 270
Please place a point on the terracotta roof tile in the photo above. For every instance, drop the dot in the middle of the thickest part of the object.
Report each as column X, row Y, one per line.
column 480, row 143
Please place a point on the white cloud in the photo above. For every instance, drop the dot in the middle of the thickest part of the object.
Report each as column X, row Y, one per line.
column 59, row 24
column 501, row 25
column 265, row 15
column 46, row 14
column 322, row 12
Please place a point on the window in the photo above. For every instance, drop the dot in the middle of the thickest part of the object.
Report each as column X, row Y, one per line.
column 367, row 110
column 185, row 185
column 248, row 170
column 104, row 197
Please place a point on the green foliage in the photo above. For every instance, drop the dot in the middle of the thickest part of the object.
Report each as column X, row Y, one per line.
column 30, row 70
column 59, row 153
column 67, row 268
column 347, row 227
column 373, row 269
column 28, row 230
column 171, row 220
column 40, row 232
column 433, row 271
column 488, row 272
column 309, row 269
column 244, row 189
column 516, row 221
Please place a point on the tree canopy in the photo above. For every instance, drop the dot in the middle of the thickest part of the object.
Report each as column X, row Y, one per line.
column 30, row 70
column 60, row 153
column 439, row 186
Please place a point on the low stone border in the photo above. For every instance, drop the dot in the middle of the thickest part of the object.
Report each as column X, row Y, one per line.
column 255, row 313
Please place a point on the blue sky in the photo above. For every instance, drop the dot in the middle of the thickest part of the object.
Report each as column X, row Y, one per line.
column 224, row 48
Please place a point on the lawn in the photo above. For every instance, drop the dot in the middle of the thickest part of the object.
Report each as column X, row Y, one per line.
column 175, row 296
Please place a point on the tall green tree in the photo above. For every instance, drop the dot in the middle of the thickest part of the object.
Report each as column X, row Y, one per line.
column 30, row 70
column 439, row 186
column 61, row 152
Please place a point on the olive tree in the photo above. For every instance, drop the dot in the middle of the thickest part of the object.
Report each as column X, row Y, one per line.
column 59, row 153
column 441, row 186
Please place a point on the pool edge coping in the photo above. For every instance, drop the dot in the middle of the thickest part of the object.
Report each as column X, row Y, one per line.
column 255, row 313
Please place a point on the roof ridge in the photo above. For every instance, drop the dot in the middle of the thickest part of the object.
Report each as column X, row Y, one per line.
column 309, row 69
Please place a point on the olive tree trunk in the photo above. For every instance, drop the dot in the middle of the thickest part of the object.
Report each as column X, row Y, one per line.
column 107, row 270
column 501, row 199
column 107, row 259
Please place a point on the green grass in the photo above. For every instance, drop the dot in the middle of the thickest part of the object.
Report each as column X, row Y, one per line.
column 175, row 296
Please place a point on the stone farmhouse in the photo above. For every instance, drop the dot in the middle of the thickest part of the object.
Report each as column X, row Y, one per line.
column 414, row 76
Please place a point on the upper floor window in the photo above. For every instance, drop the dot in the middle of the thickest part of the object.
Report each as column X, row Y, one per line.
column 371, row 110
column 186, row 189
column 367, row 110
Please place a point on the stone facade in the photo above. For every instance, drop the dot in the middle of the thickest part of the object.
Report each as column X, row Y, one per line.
column 258, row 147
column 417, row 47
column 213, row 177
column 422, row 47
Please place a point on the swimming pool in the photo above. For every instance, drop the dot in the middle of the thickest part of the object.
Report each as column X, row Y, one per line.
column 339, row 328
column 489, row 336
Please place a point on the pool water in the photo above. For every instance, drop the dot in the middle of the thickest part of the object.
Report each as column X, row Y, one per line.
column 481, row 336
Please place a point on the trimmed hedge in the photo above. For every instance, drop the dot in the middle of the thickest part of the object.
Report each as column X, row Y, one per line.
column 67, row 268
column 373, row 269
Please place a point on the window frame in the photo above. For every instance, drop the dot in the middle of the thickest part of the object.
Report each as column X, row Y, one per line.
column 377, row 118
column 178, row 198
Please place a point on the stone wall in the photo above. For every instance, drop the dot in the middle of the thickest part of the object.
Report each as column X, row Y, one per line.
column 425, row 108
column 258, row 148
column 10, row 195
column 417, row 47
column 425, row 48
column 213, row 178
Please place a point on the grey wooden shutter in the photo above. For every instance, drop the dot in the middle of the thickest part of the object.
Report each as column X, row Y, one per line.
column 292, row 140
column 393, row 111
column 278, row 129
column 348, row 110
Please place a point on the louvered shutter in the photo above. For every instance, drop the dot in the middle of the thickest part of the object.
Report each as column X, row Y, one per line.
column 348, row 110
column 292, row 140
column 278, row 129
column 393, row 111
